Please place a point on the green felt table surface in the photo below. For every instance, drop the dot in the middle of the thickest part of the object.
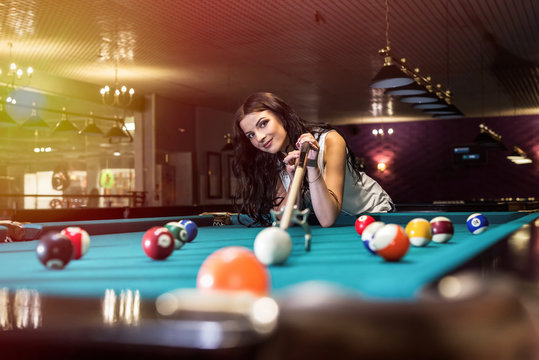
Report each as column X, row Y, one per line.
column 117, row 261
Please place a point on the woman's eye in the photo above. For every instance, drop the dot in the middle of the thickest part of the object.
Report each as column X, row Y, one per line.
column 263, row 123
column 250, row 136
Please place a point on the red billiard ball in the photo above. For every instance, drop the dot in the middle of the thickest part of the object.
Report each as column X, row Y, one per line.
column 233, row 268
column 362, row 222
column 158, row 243
column 79, row 238
column 442, row 229
column 54, row 250
column 391, row 242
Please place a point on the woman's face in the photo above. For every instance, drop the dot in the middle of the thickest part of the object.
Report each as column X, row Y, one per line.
column 265, row 131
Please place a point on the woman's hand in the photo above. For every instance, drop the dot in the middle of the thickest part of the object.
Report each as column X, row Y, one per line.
column 314, row 147
column 291, row 159
column 290, row 162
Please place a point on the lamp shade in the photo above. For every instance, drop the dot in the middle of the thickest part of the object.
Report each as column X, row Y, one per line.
column 439, row 104
column 419, row 99
column 407, row 90
column 116, row 132
column 91, row 130
column 488, row 140
column 517, row 153
column 390, row 76
column 5, row 119
column 35, row 122
column 447, row 110
column 65, row 126
column 448, row 116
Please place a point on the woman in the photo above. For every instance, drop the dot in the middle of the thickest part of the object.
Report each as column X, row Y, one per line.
column 267, row 135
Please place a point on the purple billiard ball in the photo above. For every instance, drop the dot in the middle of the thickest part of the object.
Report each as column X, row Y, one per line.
column 55, row 250
column 442, row 229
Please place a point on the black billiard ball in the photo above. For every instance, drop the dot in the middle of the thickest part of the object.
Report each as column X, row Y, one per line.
column 54, row 250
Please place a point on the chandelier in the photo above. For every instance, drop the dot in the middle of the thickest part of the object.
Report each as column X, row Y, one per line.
column 117, row 94
column 15, row 74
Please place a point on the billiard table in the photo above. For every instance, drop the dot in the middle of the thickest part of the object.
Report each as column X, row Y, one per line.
column 104, row 303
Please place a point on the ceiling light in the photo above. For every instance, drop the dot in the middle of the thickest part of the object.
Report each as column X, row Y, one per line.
column 116, row 132
column 91, row 129
column 519, row 157
column 15, row 72
column 419, row 99
column 517, row 153
column 439, row 104
column 410, row 89
column 35, row 122
column 522, row 161
column 64, row 125
column 5, row 119
column 448, row 116
column 390, row 75
column 228, row 146
column 117, row 94
column 489, row 138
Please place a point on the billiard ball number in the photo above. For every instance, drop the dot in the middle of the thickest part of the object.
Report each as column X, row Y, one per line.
column 54, row 250
column 158, row 243
column 477, row 223
column 362, row 222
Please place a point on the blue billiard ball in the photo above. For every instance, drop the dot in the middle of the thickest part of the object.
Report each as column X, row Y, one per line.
column 191, row 230
column 477, row 223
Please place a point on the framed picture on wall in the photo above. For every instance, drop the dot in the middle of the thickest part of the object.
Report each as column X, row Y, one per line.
column 214, row 179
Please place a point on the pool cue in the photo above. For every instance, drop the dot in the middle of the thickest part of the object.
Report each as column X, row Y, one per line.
column 294, row 187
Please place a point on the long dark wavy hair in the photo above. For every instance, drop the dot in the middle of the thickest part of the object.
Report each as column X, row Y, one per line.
column 258, row 171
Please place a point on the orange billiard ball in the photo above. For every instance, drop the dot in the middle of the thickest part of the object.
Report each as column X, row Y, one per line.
column 234, row 268
column 391, row 242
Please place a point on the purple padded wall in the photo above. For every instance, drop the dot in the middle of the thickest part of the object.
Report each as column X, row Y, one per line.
column 419, row 159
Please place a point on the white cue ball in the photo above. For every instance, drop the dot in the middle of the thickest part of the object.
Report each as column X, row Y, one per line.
column 272, row 246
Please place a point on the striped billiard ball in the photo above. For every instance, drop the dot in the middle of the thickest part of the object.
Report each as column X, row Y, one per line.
column 477, row 223
column 442, row 229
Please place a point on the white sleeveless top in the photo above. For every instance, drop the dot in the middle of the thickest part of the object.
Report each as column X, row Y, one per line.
column 363, row 196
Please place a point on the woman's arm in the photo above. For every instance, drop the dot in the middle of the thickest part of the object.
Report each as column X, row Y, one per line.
column 327, row 191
